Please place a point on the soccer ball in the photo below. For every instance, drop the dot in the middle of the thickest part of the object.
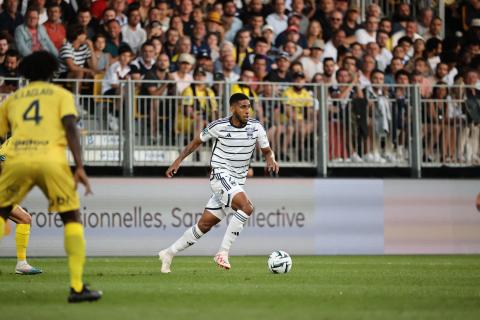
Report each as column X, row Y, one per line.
column 279, row 262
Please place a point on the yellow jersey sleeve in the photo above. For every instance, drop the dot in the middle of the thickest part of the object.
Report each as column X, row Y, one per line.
column 67, row 104
column 4, row 125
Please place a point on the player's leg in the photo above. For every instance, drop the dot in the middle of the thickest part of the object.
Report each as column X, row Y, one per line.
column 212, row 215
column 74, row 241
column 4, row 214
column 56, row 181
column 243, row 209
column 22, row 234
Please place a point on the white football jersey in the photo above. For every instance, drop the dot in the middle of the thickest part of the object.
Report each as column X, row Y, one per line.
column 233, row 147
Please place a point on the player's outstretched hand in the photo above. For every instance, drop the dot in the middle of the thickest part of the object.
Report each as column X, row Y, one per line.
column 81, row 177
column 272, row 166
column 173, row 169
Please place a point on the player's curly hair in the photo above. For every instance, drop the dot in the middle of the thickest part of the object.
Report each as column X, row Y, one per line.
column 38, row 66
column 236, row 97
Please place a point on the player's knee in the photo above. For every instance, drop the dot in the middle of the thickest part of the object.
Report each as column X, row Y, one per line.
column 204, row 226
column 26, row 219
column 247, row 208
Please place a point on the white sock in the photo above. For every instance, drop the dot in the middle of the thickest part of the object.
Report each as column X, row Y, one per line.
column 233, row 230
column 189, row 238
column 21, row 263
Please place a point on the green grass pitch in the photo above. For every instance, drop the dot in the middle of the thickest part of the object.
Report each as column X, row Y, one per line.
column 321, row 287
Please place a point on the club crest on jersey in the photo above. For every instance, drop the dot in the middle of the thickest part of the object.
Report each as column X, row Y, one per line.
column 249, row 132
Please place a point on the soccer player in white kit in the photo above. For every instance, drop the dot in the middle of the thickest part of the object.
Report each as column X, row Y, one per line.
column 235, row 138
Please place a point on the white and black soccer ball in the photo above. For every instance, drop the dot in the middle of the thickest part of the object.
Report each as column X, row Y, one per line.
column 279, row 262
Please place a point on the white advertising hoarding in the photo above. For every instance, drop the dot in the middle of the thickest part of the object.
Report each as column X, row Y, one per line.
column 140, row 216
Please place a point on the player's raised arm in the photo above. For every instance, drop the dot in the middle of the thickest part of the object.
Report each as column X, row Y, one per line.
column 69, row 123
column 272, row 165
column 191, row 147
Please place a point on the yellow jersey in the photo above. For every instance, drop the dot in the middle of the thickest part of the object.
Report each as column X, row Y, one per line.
column 34, row 116
column 298, row 100
column 192, row 96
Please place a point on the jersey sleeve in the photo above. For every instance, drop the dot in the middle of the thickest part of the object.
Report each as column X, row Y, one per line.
column 4, row 125
column 210, row 132
column 67, row 105
column 262, row 137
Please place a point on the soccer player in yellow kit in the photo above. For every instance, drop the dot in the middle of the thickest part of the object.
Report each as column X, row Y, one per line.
column 22, row 230
column 42, row 120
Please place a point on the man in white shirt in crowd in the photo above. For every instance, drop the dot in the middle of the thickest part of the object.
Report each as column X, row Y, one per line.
column 132, row 32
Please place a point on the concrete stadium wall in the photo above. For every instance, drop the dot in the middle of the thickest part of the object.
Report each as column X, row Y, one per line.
column 301, row 216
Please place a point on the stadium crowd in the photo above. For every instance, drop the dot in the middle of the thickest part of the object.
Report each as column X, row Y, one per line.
column 279, row 41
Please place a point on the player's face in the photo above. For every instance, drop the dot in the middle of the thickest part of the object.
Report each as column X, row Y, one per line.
column 241, row 111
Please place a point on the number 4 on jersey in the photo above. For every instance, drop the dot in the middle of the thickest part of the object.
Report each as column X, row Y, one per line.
column 33, row 112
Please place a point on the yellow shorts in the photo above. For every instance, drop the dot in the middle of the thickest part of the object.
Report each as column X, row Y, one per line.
column 54, row 178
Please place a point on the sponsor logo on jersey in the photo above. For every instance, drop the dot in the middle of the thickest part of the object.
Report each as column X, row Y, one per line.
column 249, row 132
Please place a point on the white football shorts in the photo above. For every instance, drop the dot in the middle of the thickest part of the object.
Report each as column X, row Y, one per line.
column 224, row 188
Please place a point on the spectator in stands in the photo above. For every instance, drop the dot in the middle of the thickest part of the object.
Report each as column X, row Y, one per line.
column 199, row 43
column 172, row 38
column 199, row 106
column 213, row 44
column 350, row 24
column 157, row 85
column 424, row 21
column 9, row 69
column 300, row 114
column 98, row 8
column 232, row 23
column 260, row 69
column 369, row 34
column 395, row 65
column 205, row 61
column 154, row 30
column 278, row 19
column 185, row 12
column 252, row 8
column 379, row 127
column 31, row 37
column 157, row 45
column 227, row 70
column 433, row 50
column 294, row 51
column 329, row 68
column 242, row 46
column 335, row 21
column 184, row 45
column 314, row 32
column 114, row 37
column 4, row 46
column 182, row 76
column 119, row 70
column 144, row 63
column 119, row 6
column 163, row 9
column 383, row 40
column 215, row 24
column 282, row 73
column 368, row 65
column 400, row 112
column 84, row 18
column 373, row 49
column 108, row 14
column 42, row 12
column 143, row 8
column 435, row 29
column 441, row 73
column 331, row 47
column 356, row 49
column 261, row 49
column 104, row 59
column 401, row 16
column 10, row 18
column 410, row 31
column 313, row 63
column 472, row 110
column 54, row 26
column 298, row 7
column 76, row 58
column 244, row 86
column 426, row 85
column 132, row 32
column 325, row 8
column 256, row 25
column 293, row 27
column 374, row 10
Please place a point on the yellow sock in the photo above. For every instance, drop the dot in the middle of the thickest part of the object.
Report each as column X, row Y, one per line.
column 75, row 248
column 22, row 234
column 2, row 227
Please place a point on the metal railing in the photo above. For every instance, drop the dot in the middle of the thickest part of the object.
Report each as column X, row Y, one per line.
column 388, row 126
